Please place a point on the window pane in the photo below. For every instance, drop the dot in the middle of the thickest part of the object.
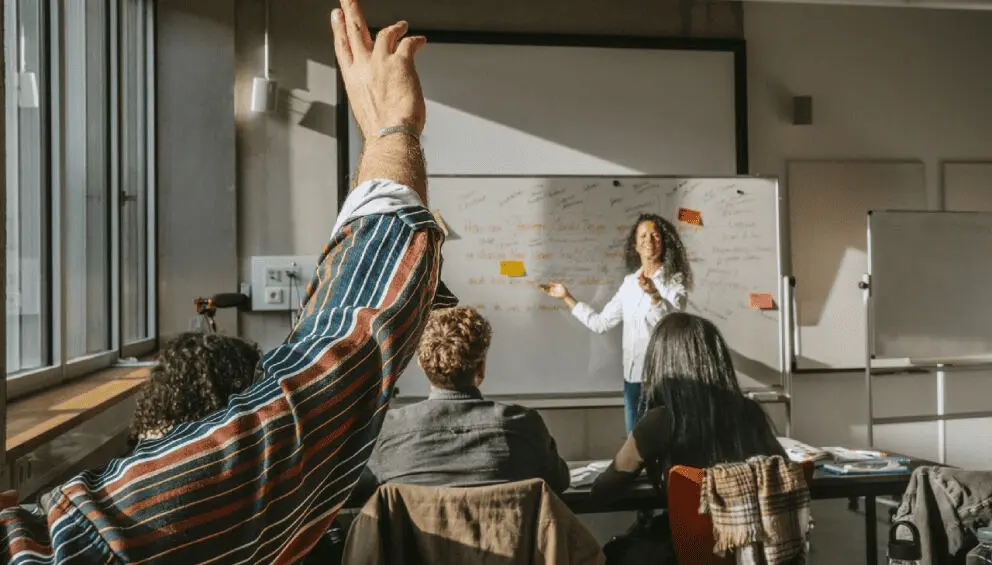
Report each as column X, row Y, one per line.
column 87, row 177
column 134, row 174
column 28, row 327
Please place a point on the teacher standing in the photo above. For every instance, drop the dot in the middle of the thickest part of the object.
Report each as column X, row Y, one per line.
column 659, row 283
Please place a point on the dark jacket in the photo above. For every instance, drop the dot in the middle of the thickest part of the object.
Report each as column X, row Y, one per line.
column 948, row 506
column 457, row 438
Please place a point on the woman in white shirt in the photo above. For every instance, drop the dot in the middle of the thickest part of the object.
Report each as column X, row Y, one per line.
column 658, row 284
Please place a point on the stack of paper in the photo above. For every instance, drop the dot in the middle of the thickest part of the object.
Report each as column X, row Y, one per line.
column 799, row 451
column 842, row 460
column 586, row 474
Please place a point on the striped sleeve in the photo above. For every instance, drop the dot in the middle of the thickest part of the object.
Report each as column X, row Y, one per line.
column 260, row 481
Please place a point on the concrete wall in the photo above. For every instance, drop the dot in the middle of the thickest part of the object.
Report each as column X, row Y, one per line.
column 197, row 200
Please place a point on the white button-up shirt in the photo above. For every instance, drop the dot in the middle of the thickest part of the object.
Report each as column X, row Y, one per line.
column 632, row 306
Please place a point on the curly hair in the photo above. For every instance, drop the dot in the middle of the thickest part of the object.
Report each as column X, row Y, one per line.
column 454, row 343
column 674, row 259
column 195, row 376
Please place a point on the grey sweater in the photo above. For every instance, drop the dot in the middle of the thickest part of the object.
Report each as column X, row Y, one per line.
column 458, row 438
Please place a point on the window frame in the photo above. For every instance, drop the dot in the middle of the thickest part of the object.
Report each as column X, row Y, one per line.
column 149, row 344
column 60, row 368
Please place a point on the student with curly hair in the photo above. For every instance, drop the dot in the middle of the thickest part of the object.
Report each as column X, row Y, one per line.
column 659, row 283
column 456, row 437
column 196, row 375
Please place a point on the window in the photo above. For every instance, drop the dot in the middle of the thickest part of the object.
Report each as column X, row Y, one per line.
column 86, row 184
column 27, row 181
column 136, row 119
column 80, row 187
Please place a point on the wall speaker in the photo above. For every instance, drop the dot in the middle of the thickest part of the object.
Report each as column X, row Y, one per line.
column 264, row 93
column 802, row 110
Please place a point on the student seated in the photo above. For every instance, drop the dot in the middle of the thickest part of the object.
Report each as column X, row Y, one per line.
column 196, row 375
column 456, row 437
column 695, row 412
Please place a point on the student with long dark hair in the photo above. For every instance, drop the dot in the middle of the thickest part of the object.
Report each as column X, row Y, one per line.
column 695, row 413
column 659, row 283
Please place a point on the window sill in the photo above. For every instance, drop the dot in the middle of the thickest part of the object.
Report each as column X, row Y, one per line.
column 38, row 419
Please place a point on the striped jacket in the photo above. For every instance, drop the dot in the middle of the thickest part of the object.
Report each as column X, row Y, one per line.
column 261, row 480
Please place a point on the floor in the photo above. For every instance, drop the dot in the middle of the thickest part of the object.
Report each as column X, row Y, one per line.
column 837, row 539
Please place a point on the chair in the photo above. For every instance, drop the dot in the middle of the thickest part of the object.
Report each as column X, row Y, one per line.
column 692, row 532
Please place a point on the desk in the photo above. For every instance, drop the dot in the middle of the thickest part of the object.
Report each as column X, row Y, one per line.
column 825, row 486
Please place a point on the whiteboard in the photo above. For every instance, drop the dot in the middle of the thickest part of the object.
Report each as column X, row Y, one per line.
column 556, row 110
column 930, row 293
column 573, row 229
column 828, row 201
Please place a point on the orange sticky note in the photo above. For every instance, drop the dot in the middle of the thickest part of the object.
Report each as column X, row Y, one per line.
column 512, row 268
column 690, row 216
column 440, row 222
column 761, row 300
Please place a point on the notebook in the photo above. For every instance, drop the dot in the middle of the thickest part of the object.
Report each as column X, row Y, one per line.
column 586, row 474
column 881, row 465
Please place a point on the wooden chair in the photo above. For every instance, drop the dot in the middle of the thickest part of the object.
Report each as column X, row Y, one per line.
column 692, row 532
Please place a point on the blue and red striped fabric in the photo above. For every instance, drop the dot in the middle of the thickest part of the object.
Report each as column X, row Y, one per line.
column 260, row 481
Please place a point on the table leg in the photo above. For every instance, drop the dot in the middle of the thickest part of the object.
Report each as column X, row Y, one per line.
column 871, row 532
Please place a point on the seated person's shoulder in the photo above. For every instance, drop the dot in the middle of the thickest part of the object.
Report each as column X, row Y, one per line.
column 398, row 418
column 652, row 431
column 519, row 416
column 516, row 411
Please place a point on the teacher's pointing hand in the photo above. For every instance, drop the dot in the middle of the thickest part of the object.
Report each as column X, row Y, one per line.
column 557, row 290
column 379, row 77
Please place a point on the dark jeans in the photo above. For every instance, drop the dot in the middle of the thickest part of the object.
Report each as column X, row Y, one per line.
column 631, row 404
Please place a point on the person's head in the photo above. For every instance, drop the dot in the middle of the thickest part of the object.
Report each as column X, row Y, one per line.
column 195, row 376
column 653, row 239
column 453, row 349
column 688, row 369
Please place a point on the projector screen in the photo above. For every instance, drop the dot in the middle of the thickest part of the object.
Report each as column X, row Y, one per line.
column 499, row 109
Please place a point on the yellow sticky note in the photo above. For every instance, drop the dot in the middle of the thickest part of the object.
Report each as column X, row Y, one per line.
column 512, row 268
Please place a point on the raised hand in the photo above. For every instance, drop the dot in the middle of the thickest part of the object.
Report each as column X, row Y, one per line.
column 380, row 79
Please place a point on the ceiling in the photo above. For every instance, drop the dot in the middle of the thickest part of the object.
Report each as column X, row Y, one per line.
column 945, row 4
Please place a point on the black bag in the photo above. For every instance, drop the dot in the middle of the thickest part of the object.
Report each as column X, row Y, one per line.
column 649, row 540
column 330, row 548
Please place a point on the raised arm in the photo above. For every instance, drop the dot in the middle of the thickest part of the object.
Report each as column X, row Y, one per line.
column 603, row 321
column 259, row 481
column 599, row 322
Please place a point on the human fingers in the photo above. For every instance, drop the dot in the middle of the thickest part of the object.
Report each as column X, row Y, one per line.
column 409, row 46
column 358, row 32
column 386, row 39
column 341, row 48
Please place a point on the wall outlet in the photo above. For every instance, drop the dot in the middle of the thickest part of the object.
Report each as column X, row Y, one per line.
column 272, row 273
column 273, row 296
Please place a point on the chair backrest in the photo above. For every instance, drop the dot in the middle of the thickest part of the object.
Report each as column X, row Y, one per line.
column 692, row 532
